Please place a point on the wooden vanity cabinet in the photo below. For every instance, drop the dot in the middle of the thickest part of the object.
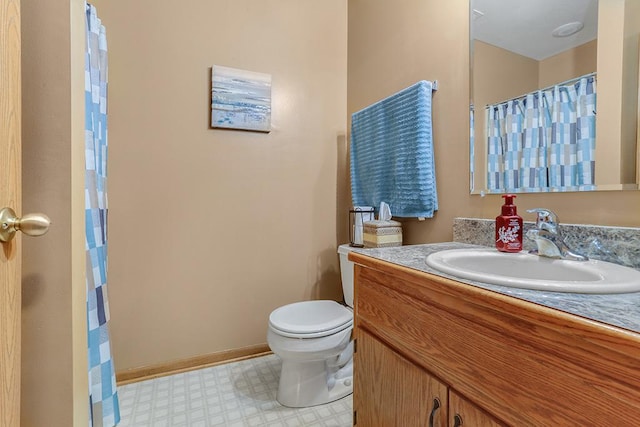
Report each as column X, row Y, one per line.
column 395, row 392
column 464, row 413
column 488, row 358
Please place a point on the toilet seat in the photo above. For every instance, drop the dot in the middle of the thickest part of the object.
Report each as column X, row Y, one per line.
column 310, row 319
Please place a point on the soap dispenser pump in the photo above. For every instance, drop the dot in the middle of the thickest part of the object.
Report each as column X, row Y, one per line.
column 509, row 227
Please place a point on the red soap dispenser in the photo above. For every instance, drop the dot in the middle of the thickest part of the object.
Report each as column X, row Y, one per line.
column 509, row 227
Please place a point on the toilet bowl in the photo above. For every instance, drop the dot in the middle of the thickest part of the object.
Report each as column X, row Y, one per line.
column 313, row 339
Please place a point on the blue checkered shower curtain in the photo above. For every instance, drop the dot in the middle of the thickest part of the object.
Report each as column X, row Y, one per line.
column 573, row 135
column 543, row 141
column 103, row 397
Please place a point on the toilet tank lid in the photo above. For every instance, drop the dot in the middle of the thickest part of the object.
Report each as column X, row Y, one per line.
column 345, row 249
column 310, row 316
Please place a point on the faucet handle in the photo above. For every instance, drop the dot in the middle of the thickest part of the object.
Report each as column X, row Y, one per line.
column 546, row 220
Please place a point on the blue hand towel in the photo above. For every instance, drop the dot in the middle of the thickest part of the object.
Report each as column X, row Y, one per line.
column 392, row 154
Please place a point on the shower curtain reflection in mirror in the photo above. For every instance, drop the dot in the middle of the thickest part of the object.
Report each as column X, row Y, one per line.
column 544, row 140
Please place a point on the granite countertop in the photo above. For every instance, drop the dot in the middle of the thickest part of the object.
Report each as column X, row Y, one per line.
column 621, row 310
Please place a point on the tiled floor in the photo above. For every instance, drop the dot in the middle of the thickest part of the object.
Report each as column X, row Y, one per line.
column 234, row 394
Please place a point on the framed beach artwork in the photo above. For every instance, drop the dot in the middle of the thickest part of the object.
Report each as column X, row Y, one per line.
column 240, row 99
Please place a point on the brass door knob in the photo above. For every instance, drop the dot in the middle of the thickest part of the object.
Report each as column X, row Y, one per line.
column 35, row 224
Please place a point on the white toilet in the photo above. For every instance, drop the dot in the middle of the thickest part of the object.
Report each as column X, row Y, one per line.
column 313, row 339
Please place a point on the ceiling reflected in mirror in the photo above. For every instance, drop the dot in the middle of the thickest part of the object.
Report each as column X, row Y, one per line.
column 526, row 27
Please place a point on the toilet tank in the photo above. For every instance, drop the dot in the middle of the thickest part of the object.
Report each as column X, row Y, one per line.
column 346, row 273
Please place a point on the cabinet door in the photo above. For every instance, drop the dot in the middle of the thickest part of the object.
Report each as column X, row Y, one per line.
column 463, row 413
column 391, row 391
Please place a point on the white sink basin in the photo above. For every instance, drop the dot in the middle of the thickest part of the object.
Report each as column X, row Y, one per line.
column 524, row 270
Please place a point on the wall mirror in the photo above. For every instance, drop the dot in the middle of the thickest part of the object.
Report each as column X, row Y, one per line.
column 527, row 53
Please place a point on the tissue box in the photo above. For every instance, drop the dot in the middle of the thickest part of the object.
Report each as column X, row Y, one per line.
column 382, row 234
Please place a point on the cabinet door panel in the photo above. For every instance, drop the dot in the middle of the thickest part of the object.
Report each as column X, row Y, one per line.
column 391, row 391
column 468, row 414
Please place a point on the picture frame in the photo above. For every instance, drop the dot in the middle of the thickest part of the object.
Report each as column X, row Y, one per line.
column 240, row 99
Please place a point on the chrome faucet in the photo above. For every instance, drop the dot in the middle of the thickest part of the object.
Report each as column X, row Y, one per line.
column 548, row 239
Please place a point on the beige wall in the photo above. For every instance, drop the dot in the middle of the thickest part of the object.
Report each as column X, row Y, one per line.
column 429, row 40
column 391, row 46
column 569, row 64
column 54, row 356
column 499, row 74
column 210, row 230
column 617, row 91
column 629, row 149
